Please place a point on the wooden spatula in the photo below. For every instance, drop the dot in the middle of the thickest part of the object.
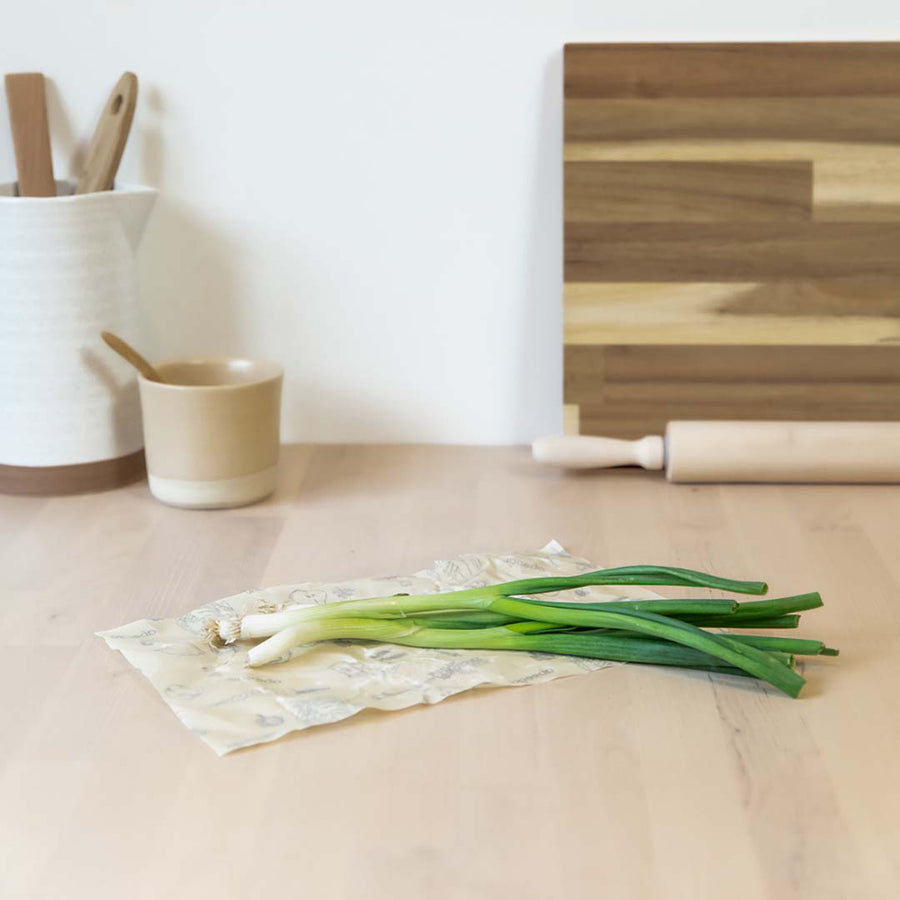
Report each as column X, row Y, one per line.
column 31, row 134
column 109, row 139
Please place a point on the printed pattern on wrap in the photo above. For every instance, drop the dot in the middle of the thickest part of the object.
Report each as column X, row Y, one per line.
column 231, row 706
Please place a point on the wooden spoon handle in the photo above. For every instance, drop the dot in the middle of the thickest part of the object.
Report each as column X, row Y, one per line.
column 31, row 134
column 110, row 136
column 129, row 354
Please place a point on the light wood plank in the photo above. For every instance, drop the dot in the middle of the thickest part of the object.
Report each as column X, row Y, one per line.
column 845, row 174
column 845, row 312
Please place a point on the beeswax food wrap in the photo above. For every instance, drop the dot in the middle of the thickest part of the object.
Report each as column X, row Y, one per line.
column 231, row 706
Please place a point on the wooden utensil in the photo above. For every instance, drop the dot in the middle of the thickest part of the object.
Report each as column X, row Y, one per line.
column 110, row 136
column 31, row 134
column 800, row 452
column 129, row 354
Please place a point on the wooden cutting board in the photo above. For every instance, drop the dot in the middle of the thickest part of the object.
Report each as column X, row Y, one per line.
column 732, row 233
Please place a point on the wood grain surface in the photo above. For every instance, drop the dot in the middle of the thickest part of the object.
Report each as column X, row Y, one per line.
column 822, row 69
column 110, row 137
column 739, row 196
column 628, row 390
column 27, row 102
column 74, row 479
column 633, row 782
column 801, row 312
column 688, row 191
column 832, row 119
column 742, row 251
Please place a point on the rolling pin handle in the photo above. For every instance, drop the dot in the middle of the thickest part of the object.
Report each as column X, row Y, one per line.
column 584, row 452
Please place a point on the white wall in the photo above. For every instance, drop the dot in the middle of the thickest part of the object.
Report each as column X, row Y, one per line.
column 367, row 191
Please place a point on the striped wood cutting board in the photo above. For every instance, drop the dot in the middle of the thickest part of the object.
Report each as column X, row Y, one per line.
column 732, row 233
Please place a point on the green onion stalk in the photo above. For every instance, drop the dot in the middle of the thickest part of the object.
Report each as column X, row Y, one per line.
column 482, row 598
column 503, row 617
column 520, row 636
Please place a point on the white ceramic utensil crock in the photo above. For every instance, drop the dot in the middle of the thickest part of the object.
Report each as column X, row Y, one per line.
column 69, row 412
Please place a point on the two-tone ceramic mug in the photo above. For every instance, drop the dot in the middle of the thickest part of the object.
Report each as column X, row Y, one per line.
column 211, row 431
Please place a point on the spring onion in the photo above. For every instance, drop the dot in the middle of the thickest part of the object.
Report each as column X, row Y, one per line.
column 522, row 636
column 505, row 617
column 482, row 598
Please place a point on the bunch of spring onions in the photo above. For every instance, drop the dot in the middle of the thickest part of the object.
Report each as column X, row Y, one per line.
column 506, row 617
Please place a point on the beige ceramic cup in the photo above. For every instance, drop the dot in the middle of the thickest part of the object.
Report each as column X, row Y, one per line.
column 211, row 432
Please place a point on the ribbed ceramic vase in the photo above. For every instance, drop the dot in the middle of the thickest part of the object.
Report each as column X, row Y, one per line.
column 69, row 410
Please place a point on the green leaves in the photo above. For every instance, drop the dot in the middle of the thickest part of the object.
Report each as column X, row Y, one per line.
column 734, row 653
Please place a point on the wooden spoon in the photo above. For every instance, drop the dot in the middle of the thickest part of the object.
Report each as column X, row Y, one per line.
column 129, row 354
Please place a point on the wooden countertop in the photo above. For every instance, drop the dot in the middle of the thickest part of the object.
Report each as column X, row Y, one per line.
column 631, row 782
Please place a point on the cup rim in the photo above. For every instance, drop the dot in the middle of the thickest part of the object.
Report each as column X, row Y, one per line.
column 119, row 188
column 277, row 373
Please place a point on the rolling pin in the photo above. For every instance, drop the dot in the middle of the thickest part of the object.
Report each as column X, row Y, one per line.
column 839, row 452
